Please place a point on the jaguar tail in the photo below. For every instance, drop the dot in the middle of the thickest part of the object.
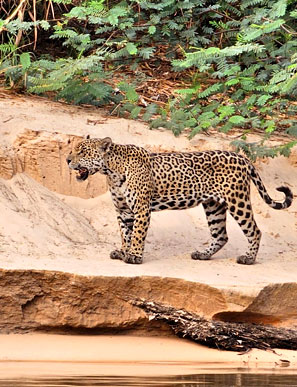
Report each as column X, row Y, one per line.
column 264, row 194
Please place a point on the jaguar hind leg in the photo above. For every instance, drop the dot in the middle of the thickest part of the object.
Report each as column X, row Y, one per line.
column 216, row 218
column 243, row 214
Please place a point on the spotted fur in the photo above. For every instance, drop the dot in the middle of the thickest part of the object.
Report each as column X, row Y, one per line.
column 141, row 182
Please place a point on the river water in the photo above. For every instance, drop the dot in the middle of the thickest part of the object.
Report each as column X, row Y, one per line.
column 216, row 379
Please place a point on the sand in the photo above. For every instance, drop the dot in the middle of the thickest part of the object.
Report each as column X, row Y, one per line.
column 43, row 354
column 44, row 230
column 50, row 231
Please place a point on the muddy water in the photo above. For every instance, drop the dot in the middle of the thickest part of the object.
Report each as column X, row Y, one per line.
column 215, row 379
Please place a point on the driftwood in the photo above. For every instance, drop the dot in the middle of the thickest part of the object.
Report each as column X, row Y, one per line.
column 216, row 334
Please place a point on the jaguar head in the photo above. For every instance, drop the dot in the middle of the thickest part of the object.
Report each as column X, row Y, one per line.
column 87, row 157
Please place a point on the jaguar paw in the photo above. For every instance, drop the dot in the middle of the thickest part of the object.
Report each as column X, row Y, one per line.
column 117, row 254
column 245, row 260
column 200, row 256
column 134, row 259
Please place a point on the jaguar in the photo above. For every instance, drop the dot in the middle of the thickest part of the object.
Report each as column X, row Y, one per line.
column 141, row 182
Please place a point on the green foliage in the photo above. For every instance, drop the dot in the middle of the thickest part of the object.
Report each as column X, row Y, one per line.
column 256, row 74
column 75, row 80
column 242, row 54
column 258, row 149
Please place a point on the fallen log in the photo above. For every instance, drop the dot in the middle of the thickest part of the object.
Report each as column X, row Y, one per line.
column 217, row 334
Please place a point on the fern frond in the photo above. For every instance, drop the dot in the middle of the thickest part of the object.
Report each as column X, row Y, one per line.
column 215, row 88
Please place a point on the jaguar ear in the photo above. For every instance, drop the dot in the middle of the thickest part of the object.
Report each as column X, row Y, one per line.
column 87, row 137
column 105, row 144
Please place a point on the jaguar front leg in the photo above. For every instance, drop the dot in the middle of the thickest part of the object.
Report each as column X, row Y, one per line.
column 138, row 236
column 132, row 200
column 125, row 220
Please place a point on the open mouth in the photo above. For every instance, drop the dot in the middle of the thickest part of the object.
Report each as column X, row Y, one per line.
column 83, row 174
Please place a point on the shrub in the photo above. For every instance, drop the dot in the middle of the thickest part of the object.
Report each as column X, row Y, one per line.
column 236, row 60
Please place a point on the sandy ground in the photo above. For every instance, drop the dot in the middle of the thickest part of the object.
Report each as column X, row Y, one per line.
column 40, row 229
column 56, row 232
column 43, row 354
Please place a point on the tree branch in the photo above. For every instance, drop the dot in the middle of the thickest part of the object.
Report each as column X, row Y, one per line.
column 217, row 334
column 14, row 13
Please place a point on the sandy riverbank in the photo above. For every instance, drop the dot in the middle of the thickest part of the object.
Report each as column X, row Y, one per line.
column 51, row 228
column 48, row 354
column 55, row 254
